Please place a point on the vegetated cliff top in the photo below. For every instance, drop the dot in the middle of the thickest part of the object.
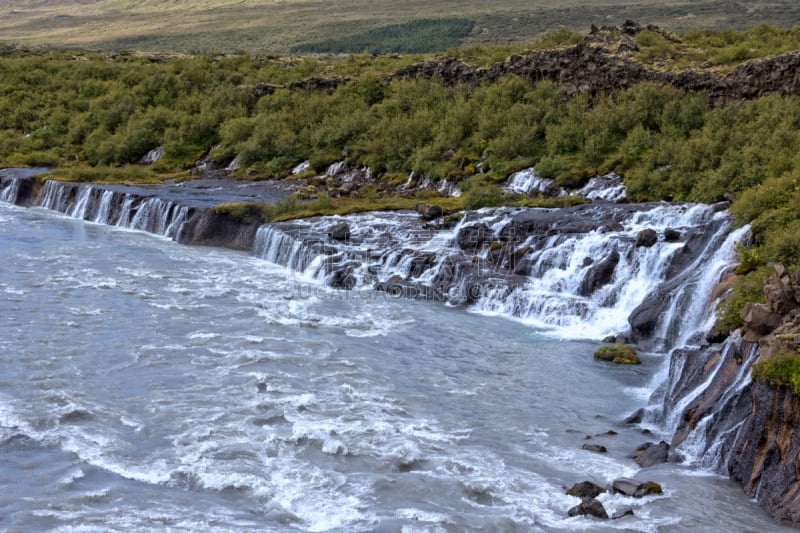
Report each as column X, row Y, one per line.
column 281, row 26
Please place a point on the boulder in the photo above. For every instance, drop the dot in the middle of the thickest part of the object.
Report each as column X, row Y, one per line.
column 340, row 231
column 594, row 448
column 635, row 488
column 648, row 488
column 646, row 238
column 428, row 212
column 759, row 318
column 589, row 507
column 585, row 489
column 650, row 453
column 671, row 235
column 778, row 291
column 626, row 486
column 635, row 417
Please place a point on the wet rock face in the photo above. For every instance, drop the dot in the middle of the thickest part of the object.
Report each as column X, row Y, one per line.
column 599, row 274
column 471, row 238
column 765, row 459
column 745, row 428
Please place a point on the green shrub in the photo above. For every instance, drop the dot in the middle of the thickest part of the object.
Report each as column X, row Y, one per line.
column 779, row 370
column 480, row 192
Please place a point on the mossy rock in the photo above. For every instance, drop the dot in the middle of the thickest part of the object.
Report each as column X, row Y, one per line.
column 650, row 487
column 621, row 354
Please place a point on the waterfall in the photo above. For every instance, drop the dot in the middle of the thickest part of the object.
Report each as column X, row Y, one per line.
column 609, row 187
column 103, row 215
column 78, row 208
column 95, row 203
column 527, row 181
column 54, row 196
column 575, row 282
column 10, row 192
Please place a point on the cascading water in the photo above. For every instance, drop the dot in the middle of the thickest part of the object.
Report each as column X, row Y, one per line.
column 578, row 272
column 10, row 192
column 578, row 282
column 108, row 206
column 609, row 187
column 527, row 181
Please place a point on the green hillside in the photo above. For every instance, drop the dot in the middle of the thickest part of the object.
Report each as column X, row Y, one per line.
column 280, row 26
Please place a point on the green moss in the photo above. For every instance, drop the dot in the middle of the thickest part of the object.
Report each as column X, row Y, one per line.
column 650, row 487
column 107, row 175
column 244, row 212
column 780, row 370
column 624, row 354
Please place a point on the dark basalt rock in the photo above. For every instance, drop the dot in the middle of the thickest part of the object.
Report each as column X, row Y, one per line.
column 428, row 212
column 339, row 232
column 671, row 235
column 343, row 279
column 421, row 263
column 650, row 453
column 594, row 448
column 585, row 489
column 622, row 514
column 472, row 238
column 589, row 507
column 599, row 274
column 646, row 238
column 635, row 417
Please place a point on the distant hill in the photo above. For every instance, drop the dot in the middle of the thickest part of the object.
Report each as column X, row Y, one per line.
column 282, row 26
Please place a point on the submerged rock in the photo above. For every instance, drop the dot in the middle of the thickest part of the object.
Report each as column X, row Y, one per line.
column 626, row 486
column 594, row 448
column 648, row 488
column 635, row 417
column 636, row 488
column 621, row 514
column 589, row 507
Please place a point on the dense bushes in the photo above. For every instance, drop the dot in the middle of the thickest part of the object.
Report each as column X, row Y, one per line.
column 780, row 370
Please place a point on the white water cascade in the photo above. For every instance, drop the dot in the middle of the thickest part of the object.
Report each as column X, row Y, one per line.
column 579, row 284
column 108, row 206
column 527, row 181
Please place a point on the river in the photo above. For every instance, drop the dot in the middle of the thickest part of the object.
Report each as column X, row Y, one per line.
column 146, row 385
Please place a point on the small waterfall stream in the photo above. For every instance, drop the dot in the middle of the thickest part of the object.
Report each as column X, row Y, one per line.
column 107, row 206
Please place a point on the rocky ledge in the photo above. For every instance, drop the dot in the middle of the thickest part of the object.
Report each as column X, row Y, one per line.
column 747, row 429
column 604, row 62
